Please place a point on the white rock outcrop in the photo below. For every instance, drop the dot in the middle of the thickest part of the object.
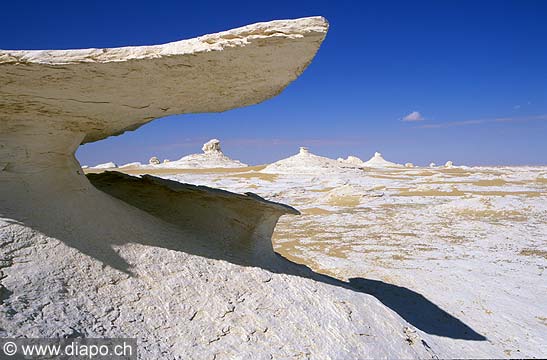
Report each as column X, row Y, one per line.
column 154, row 161
column 352, row 160
column 377, row 161
column 135, row 164
column 211, row 146
column 409, row 165
column 108, row 165
column 449, row 164
column 304, row 163
column 212, row 157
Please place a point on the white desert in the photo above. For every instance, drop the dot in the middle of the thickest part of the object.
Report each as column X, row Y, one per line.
column 307, row 257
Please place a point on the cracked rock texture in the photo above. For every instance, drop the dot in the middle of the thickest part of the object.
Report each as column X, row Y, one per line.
column 77, row 261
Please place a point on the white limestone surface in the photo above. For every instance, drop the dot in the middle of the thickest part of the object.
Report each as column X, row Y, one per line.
column 377, row 161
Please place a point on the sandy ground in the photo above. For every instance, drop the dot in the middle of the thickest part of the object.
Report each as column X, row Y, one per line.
column 471, row 240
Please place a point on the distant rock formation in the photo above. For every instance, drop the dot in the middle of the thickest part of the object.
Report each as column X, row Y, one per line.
column 154, row 161
column 409, row 165
column 108, row 165
column 432, row 165
column 212, row 157
column 449, row 164
column 377, row 161
column 352, row 160
column 211, row 146
column 135, row 164
column 303, row 162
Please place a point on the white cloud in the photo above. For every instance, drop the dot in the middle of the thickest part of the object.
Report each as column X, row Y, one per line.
column 414, row 116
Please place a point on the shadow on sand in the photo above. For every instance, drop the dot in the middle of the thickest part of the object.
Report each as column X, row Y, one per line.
column 94, row 240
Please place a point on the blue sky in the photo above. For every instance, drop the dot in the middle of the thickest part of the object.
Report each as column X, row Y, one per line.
column 471, row 74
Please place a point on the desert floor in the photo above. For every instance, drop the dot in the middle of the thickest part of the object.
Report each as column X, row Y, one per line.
column 473, row 241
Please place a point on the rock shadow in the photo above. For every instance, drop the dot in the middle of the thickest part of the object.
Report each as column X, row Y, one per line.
column 202, row 219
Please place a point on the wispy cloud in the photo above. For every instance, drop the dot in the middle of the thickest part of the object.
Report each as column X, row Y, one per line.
column 485, row 121
column 414, row 116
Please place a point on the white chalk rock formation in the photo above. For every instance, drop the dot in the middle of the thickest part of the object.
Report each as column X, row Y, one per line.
column 409, row 165
column 304, row 163
column 108, row 165
column 449, row 164
column 352, row 160
column 188, row 271
column 211, row 146
column 377, row 161
column 165, row 161
column 212, row 157
column 432, row 165
column 154, row 161
column 135, row 165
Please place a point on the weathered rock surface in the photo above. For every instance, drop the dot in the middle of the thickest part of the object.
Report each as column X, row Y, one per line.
column 77, row 261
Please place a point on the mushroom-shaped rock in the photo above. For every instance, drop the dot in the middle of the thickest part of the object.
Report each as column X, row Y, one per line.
column 211, row 146
column 122, row 265
column 154, row 160
column 212, row 157
column 52, row 101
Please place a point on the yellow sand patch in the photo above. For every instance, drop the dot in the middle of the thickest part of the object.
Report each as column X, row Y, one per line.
column 493, row 182
column 388, row 177
column 454, row 238
column 259, row 175
column 327, row 189
column 133, row 171
column 511, row 215
column 507, row 193
column 409, row 192
column 534, row 252
column 425, row 173
column 542, row 320
column 316, row 211
column 541, row 180
column 399, row 257
column 345, row 200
